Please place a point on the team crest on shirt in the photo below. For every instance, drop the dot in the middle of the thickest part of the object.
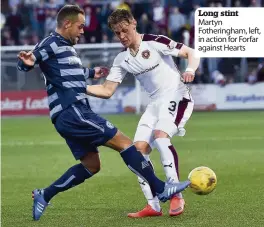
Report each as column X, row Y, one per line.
column 146, row 54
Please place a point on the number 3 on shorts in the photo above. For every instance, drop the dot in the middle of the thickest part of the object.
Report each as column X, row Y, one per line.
column 172, row 106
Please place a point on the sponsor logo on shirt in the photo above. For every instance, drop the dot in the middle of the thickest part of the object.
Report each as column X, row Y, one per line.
column 147, row 70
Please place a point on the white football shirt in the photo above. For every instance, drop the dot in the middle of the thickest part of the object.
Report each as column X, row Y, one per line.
column 153, row 65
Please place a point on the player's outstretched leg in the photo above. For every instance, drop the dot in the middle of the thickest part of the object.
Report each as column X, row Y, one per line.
column 169, row 160
column 138, row 165
column 74, row 176
column 153, row 207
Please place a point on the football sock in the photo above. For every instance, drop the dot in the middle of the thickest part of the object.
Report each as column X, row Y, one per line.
column 74, row 176
column 169, row 158
column 138, row 165
column 152, row 199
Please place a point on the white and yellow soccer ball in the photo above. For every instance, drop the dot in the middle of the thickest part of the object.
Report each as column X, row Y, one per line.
column 203, row 180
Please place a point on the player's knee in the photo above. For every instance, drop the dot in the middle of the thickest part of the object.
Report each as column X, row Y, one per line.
column 160, row 134
column 119, row 142
column 81, row 173
column 123, row 141
column 143, row 147
column 165, row 128
column 94, row 168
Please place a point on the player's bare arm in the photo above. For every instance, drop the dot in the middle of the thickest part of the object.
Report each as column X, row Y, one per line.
column 105, row 90
column 193, row 63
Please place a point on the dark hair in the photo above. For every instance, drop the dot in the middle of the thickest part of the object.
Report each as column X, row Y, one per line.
column 118, row 16
column 68, row 12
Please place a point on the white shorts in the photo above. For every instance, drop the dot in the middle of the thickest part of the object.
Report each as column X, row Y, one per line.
column 168, row 114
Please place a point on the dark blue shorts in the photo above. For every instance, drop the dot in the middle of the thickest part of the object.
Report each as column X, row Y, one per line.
column 83, row 129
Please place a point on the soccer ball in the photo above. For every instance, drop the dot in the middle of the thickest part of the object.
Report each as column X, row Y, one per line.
column 203, row 180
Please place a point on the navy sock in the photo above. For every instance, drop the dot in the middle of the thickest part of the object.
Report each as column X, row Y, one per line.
column 151, row 188
column 74, row 176
column 138, row 165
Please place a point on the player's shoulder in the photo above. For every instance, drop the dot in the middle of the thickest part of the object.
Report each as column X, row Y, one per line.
column 48, row 40
column 54, row 40
column 120, row 56
column 156, row 39
column 159, row 40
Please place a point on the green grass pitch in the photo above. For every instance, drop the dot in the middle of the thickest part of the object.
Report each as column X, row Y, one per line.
column 231, row 143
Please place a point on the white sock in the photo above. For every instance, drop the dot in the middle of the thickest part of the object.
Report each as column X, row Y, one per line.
column 169, row 158
column 153, row 200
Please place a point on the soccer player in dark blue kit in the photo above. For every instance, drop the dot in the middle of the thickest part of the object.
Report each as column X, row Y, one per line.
column 70, row 112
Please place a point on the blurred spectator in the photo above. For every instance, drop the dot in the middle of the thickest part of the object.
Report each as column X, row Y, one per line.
column 82, row 40
column 252, row 77
column 14, row 23
column 213, row 65
column 218, row 78
column 60, row 3
column 99, row 15
column 228, row 67
column 200, row 77
column 257, row 74
column 13, row 3
column 72, row 2
column 105, row 12
column 219, row 4
column 105, row 38
column 237, row 3
column 25, row 11
column 260, row 72
column 245, row 3
column 53, row 4
column 211, row 4
column 144, row 25
column 192, row 13
column 40, row 14
column 91, row 24
column 159, row 16
column 24, row 40
column 29, row 6
column 255, row 3
column 50, row 23
column 3, row 20
column 34, row 38
column 192, row 36
column 176, row 22
column 6, row 39
column 186, row 6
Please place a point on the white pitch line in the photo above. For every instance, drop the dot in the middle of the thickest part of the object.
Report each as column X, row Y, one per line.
column 58, row 143
column 31, row 143
column 222, row 138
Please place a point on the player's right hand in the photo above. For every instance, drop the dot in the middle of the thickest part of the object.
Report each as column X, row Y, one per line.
column 28, row 58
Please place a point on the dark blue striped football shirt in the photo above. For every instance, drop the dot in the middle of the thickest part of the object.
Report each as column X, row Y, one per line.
column 65, row 77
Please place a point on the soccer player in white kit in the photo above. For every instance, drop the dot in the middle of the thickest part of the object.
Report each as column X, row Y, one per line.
column 149, row 59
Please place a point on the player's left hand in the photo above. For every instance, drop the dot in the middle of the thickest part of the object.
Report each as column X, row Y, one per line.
column 101, row 72
column 188, row 77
